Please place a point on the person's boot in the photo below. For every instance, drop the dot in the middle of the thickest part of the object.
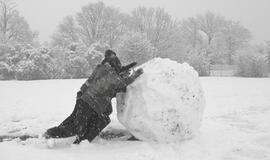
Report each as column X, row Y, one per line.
column 91, row 136
column 46, row 135
column 77, row 140
column 133, row 138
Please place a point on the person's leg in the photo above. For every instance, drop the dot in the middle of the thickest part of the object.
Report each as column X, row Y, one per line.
column 65, row 129
column 94, row 129
column 85, row 117
column 89, row 124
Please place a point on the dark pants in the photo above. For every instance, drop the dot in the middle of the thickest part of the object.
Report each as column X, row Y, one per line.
column 83, row 122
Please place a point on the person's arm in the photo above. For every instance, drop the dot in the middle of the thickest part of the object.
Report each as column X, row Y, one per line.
column 127, row 67
column 128, row 80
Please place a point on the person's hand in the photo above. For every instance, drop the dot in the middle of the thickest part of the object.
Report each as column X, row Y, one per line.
column 139, row 71
column 133, row 64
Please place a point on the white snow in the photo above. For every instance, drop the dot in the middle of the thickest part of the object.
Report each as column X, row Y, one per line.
column 236, row 123
column 165, row 104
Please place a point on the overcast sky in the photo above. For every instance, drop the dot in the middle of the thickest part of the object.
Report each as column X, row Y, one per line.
column 44, row 15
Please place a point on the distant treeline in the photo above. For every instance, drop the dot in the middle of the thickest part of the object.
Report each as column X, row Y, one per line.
column 80, row 41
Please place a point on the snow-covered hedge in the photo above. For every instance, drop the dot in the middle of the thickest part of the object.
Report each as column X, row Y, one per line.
column 38, row 65
column 251, row 65
column 199, row 61
column 6, row 72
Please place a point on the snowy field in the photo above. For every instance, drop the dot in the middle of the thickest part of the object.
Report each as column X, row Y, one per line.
column 236, row 124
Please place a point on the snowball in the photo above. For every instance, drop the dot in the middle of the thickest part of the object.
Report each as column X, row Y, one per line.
column 165, row 104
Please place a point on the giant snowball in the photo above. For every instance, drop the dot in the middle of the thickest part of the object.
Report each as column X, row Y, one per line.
column 165, row 104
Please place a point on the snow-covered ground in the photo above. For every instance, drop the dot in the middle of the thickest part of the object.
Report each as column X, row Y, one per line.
column 236, row 123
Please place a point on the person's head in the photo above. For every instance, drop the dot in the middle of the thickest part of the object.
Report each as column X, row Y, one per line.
column 109, row 53
column 112, row 59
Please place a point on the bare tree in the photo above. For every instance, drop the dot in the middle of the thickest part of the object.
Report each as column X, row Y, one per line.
column 95, row 23
column 13, row 27
column 116, row 26
column 6, row 11
column 268, row 53
column 190, row 32
column 160, row 28
column 135, row 47
column 224, row 37
column 235, row 37
column 67, row 32
column 98, row 22
column 210, row 24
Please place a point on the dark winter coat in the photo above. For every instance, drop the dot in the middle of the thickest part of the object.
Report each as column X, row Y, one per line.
column 102, row 86
column 93, row 104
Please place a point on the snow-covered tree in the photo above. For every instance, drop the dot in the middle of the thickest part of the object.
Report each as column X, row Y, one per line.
column 13, row 27
column 13, row 54
column 210, row 24
column 135, row 47
column 235, row 37
column 191, row 33
column 96, row 22
column 95, row 54
column 160, row 28
column 5, row 50
column 220, row 38
column 76, row 67
column 268, row 53
column 250, row 63
column 67, row 33
column 66, row 57
column 6, row 71
column 199, row 60
column 37, row 65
